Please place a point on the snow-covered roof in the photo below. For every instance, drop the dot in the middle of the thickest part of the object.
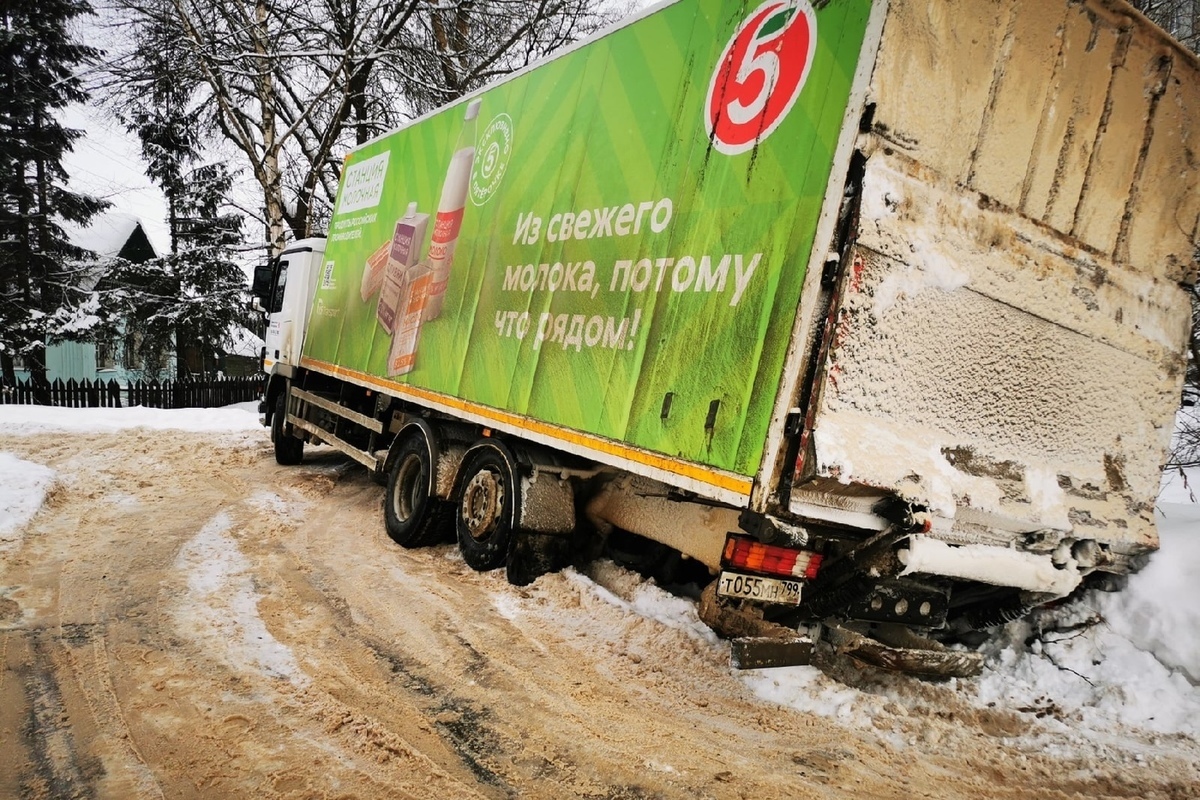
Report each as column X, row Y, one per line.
column 107, row 233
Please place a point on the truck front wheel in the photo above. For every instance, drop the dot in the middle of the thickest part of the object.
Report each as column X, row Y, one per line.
column 487, row 505
column 413, row 515
column 289, row 450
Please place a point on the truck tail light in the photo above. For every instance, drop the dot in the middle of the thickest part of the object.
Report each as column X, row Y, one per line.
column 742, row 552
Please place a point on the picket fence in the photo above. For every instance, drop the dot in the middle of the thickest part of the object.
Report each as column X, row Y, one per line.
column 188, row 393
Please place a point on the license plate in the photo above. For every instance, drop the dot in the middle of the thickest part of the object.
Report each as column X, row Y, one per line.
column 755, row 587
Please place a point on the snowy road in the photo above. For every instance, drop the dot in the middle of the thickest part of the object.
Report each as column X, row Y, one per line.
column 180, row 617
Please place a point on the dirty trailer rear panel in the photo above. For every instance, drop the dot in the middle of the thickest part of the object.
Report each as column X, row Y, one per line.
column 1008, row 344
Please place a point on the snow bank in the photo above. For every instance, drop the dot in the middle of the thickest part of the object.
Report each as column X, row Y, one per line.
column 25, row 420
column 806, row 689
column 1159, row 612
column 1129, row 660
column 1132, row 657
column 646, row 600
column 23, row 486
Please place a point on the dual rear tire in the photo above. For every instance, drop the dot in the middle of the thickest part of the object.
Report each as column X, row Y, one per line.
column 413, row 513
column 487, row 506
column 482, row 521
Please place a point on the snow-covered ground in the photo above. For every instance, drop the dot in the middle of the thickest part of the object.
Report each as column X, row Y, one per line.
column 222, row 604
column 23, row 488
column 20, row 420
column 1130, row 659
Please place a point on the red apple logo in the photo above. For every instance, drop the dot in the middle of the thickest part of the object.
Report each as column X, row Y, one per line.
column 760, row 74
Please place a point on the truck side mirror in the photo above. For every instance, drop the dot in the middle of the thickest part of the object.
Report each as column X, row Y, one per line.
column 261, row 286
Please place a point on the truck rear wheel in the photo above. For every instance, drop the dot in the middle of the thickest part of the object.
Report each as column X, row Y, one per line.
column 487, row 506
column 289, row 450
column 413, row 515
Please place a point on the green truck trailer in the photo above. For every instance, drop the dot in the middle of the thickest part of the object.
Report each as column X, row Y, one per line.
column 869, row 316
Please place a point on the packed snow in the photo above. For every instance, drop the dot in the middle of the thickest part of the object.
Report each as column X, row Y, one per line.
column 1127, row 659
column 220, row 608
column 23, row 487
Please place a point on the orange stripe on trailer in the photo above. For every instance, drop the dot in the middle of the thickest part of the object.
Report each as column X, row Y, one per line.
column 733, row 483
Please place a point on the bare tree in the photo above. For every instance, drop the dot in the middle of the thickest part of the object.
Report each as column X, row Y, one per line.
column 1180, row 18
column 292, row 83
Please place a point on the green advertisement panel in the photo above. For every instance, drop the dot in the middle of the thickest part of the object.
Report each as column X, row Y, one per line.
column 613, row 242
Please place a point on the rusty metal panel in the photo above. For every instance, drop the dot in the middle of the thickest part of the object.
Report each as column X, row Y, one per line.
column 933, row 78
column 1013, row 120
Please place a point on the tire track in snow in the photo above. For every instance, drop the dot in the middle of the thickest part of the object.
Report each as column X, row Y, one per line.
column 220, row 608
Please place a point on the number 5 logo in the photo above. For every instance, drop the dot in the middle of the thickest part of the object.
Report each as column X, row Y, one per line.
column 760, row 74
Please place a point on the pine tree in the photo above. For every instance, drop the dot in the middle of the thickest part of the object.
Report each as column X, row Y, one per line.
column 193, row 296
column 188, row 299
column 37, row 61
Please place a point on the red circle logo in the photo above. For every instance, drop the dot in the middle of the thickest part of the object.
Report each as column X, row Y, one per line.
column 760, row 74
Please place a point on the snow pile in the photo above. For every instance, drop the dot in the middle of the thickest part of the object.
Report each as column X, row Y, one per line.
column 1160, row 611
column 1128, row 659
column 1132, row 657
column 647, row 600
column 221, row 609
column 25, row 420
column 1089, row 672
column 806, row 689
column 23, row 486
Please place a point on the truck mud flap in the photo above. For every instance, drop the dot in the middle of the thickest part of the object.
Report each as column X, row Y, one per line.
column 762, row 652
column 930, row 661
column 532, row 555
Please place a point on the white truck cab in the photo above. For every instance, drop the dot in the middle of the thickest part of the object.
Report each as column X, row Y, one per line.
column 288, row 283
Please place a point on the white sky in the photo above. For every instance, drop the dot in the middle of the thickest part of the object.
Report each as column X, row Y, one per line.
column 106, row 163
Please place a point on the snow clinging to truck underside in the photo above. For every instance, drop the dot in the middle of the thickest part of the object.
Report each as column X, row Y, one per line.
column 994, row 565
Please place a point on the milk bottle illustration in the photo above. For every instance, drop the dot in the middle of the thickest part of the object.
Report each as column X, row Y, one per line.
column 450, row 213
column 406, row 243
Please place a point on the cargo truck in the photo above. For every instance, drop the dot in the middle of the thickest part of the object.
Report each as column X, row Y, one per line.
column 872, row 315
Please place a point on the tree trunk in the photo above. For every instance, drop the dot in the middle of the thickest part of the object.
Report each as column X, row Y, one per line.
column 8, row 369
column 36, row 355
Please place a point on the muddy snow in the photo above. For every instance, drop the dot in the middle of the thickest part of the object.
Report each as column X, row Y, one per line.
column 180, row 617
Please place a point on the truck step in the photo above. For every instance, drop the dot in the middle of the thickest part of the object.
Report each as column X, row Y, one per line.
column 763, row 652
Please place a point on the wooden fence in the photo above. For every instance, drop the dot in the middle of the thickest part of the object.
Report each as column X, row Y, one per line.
column 190, row 393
